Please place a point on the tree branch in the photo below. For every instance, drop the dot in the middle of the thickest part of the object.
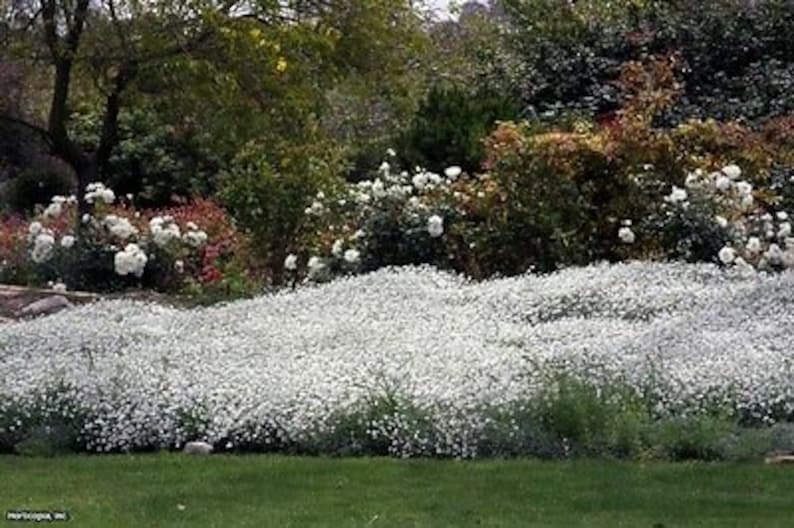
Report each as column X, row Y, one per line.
column 43, row 133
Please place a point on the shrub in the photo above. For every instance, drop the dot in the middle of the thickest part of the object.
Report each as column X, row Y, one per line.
column 155, row 162
column 268, row 200
column 449, row 127
column 735, row 61
column 36, row 186
column 117, row 247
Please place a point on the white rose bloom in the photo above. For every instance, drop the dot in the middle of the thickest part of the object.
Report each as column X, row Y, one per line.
column 98, row 192
column 67, row 241
column 120, row 227
column 337, row 248
column 784, row 230
column 163, row 232
column 732, row 171
column 291, row 262
column 34, row 228
column 59, row 287
column 53, row 210
column 677, row 195
column 179, row 266
column 774, row 254
column 723, row 183
column 195, row 238
column 747, row 201
column 727, row 255
column 43, row 247
column 721, row 221
column 626, row 235
column 131, row 261
column 435, row 226
column 453, row 173
column 391, row 152
column 192, row 226
column 352, row 256
column 753, row 245
column 378, row 189
column 315, row 265
column 420, row 181
column 156, row 223
column 782, row 215
column 316, row 207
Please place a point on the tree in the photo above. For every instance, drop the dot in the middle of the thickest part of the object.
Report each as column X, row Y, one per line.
column 110, row 43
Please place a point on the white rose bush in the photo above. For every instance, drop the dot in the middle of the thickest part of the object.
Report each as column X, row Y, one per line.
column 717, row 218
column 395, row 218
column 117, row 247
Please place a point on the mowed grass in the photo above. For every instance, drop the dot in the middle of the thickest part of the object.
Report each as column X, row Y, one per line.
column 262, row 491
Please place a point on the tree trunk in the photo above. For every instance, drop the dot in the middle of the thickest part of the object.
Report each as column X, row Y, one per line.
column 86, row 170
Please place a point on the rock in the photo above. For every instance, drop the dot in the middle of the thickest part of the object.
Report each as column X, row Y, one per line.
column 197, row 448
column 780, row 459
column 45, row 306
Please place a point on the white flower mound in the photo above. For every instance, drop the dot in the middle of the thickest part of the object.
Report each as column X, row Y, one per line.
column 686, row 333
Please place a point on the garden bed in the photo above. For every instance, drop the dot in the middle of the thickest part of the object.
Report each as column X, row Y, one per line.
column 414, row 362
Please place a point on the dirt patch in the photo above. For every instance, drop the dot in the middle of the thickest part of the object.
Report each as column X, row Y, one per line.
column 14, row 298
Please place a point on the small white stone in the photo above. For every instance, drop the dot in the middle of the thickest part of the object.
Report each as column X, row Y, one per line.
column 197, row 448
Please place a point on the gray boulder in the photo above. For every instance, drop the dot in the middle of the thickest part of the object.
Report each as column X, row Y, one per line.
column 46, row 306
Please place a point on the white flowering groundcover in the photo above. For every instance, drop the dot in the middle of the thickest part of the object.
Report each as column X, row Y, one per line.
column 282, row 369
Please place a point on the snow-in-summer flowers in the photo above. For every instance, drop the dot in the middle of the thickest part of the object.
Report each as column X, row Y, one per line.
column 279, row 370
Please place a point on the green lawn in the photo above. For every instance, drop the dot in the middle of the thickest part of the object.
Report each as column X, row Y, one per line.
column 263, row 491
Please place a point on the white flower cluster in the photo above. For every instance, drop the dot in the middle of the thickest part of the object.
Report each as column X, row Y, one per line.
column 194, row 236
column 761, row 240
column 625, row 234
column 390, row 192
column 279, row 368
column 131, row 261
column 43, row 242
column 97, row 192
column 164, row 230
column 758, row 239
column 724, row 186
column 120, row 227
column 57, row 203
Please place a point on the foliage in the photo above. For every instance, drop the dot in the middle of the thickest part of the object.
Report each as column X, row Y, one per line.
column 449, row 127
column 36, row 186
column 268, row 198
column 735, row 60
column 154, row 161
